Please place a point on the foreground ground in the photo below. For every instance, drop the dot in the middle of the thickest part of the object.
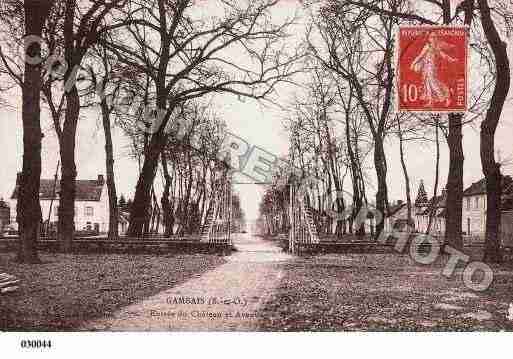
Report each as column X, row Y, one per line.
column 258, row 287
column 67, row 290
column 384, row 292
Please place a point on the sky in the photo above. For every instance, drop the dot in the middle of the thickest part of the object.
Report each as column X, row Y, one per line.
column 258, row 124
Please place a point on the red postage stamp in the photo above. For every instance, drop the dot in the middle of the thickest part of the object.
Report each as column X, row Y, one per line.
column 432, row 69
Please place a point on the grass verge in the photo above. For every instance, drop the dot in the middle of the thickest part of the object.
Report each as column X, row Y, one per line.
column 383, row 292
column 67, row 289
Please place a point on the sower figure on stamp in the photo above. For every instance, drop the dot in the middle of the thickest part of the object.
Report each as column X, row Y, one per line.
column 426, row 64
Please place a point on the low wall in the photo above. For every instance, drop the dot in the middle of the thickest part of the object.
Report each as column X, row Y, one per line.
column 133, row 246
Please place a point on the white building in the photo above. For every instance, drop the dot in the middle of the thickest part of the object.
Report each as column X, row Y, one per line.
column 474, row 209
column 91, row 203
column 473, row 214
column 475, row 206
column 434, row 210
column 421, row 211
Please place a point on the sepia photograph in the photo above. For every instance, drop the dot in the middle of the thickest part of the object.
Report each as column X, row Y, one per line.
column 255, row 166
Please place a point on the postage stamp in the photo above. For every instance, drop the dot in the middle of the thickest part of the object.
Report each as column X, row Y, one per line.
column 432, row 66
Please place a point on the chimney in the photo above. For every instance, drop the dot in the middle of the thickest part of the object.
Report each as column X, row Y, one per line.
column 101, row 180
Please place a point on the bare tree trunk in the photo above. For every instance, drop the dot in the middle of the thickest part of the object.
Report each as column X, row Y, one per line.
column 154, row 212
column 75, row 46
column 491, row 168
column 381, row 173
column 109, row 165
column 432, row 210
column 141, row 204
column 54, row 193
column 355, row 179
column 340, row 227
column 166, row 206
column 454, row 188
column 29, row 209
column 187, row 201
column 66, row 226
column 284, row 222
column 202, row 202
column 405, row 173
column 269, row 231
column 453, row 233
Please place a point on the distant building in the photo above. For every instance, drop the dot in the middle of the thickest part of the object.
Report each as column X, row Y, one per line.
column 123, row 221
column 91, row 203
column 435, row 209
column 5, row 216
column 475, row 205
column 473, row 214
column 421, row 210
column 397, row 217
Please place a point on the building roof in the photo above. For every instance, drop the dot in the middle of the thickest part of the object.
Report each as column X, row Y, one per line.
column 393, row 209
column 422, row 197
column 479, row 187
column 124, row 217
column 3, row 204
column 86, row 190
column 435, row 203
column 443, row 213
column 5, row 211
column 507, row 204
column 507, row 198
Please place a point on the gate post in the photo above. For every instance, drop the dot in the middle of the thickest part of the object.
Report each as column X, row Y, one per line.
column 292, row 214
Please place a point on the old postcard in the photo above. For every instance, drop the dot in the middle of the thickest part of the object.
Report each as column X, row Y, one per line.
column 255, row 166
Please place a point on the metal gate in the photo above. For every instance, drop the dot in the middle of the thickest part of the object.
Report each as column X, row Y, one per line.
column 217, row 227
column 303, row 232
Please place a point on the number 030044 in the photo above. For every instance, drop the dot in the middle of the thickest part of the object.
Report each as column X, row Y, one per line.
column 36, row 344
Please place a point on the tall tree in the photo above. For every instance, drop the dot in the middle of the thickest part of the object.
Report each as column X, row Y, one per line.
column 361, row 53
column 407, row 184
column 188, row 56
column 107, row 88
column 29, row 209
column 75, row 28
column 434, row 202
column 410, row 11
column 491, row 168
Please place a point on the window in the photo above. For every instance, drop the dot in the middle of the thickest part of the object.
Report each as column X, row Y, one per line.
column 476, row 206
column 89, row 211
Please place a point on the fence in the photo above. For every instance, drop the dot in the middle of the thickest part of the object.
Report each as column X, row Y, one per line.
column 303, row 232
